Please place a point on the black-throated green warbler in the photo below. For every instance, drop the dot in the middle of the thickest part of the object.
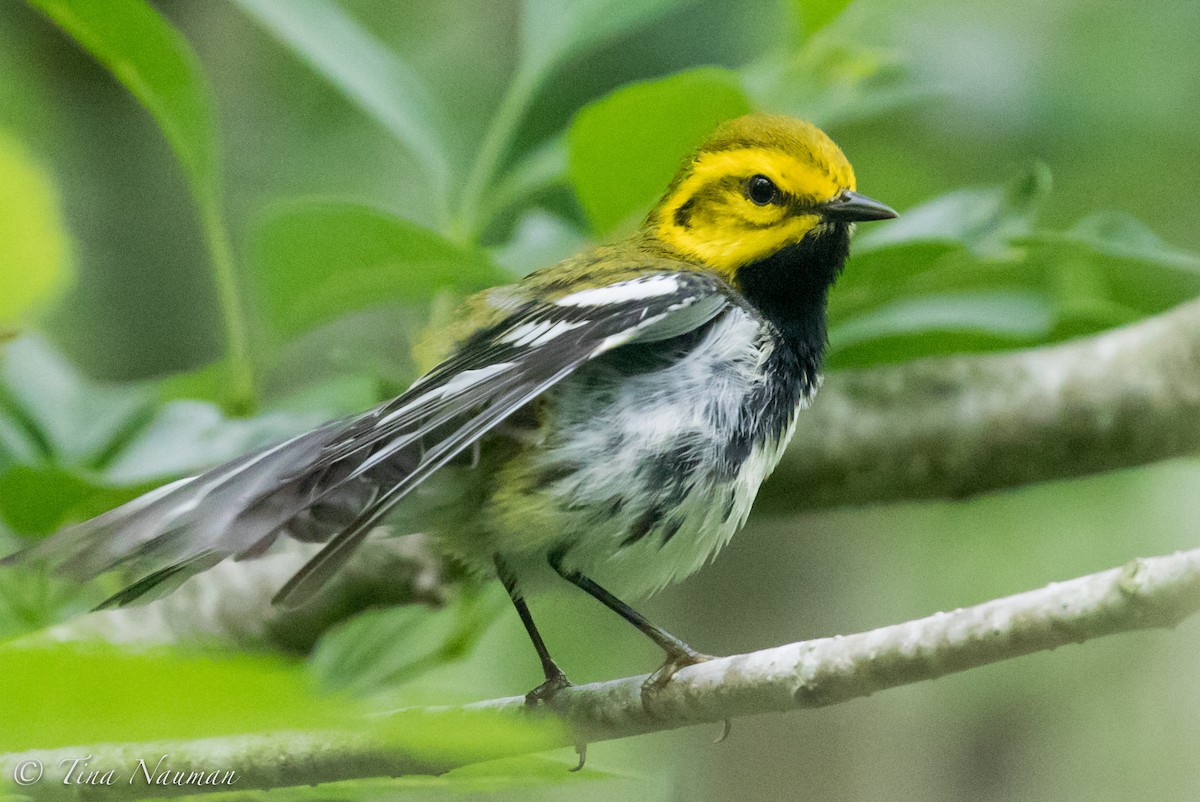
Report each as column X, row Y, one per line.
column 607, row 420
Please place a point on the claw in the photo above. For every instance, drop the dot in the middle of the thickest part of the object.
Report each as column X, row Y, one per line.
column 724, row 732
column 581, row 750
column 675, row 661
column 548, row 690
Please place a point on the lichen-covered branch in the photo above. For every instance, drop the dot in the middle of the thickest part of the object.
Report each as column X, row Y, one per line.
column 1146, row 593
column 954, row 426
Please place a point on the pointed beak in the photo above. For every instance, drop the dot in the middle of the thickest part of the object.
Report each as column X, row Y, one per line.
column 850, row 207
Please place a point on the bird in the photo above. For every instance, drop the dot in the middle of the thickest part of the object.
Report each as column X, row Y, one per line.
column 606, row 421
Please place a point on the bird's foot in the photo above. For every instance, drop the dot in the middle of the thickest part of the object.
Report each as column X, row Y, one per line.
column 676, row 660
column 543, row 693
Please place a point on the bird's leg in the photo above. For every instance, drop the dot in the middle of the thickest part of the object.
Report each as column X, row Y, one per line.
column 556, row 680
column 679, row 654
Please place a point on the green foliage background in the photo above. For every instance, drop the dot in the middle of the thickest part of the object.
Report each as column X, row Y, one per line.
column 224, row 222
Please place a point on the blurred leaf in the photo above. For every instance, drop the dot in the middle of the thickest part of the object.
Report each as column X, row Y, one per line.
column 982, row 220
column 816, row 14
column 155, row 63
column 924, row 326
column 35, row 254
column 79, row 693
column 964, row 240
column 536, row 171
column 507, row 776
column 968, row 271
column 1132, row 262
column 316, row 261
column 382, row 648
column 17, row 443
column 1084, row 301
column 74, row 420
column 552, row 31
column 185, row 437
column 39, row 500
column 205, row 383
column 366, row 71
column 31, row 600
column 640, row 133
column 71, row 448
column 539, row 240
column 832, row 80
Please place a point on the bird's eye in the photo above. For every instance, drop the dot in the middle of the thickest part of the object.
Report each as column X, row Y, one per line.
column 762, row 190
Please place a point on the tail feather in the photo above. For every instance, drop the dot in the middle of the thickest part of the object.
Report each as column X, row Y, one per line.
column 159, row 583
column 189, row 525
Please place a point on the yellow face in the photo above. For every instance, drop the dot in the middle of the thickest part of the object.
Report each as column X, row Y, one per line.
column 756, row 186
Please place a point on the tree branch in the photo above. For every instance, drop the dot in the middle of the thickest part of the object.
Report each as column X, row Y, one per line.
column 956, row 426
column 1146, row 593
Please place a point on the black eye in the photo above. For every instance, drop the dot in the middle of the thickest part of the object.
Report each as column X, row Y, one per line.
column 762, row 190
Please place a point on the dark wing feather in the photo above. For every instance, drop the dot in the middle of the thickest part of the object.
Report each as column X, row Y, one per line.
column 338, row 482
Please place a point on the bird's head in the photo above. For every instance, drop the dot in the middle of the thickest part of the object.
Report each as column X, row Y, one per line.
column 758, row 187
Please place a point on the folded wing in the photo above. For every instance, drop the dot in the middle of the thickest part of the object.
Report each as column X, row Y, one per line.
column 336, row 483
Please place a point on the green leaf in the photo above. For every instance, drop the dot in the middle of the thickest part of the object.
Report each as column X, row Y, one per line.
column 31, row 600
column 833, row 78
column 382, row 648
column 39, row 500
column 640, row 133
column 968, row 271
column 982, row 220
column 925, row 326
column 964, row 240
column 816, row 14
column 75, row 421
column 71, row 448
column 316, row 261
column 536, row 171
column 185, row 437
column 81, row 693
column 552, row 30
column 366, row 71
column 35, row 253
column 539, row 240
column 154, row 62
column 1129, row 260
column 505, row 778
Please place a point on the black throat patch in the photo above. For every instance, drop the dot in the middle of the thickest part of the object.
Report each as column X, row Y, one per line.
column 790, row 289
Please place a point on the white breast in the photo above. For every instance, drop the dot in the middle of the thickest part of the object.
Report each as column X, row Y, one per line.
column 648, row 474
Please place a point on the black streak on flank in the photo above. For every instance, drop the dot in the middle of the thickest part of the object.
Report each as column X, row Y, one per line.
column 671, row 474
column 729, row 507
column 670, row 529
column 643, row 525
column 555, row 473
